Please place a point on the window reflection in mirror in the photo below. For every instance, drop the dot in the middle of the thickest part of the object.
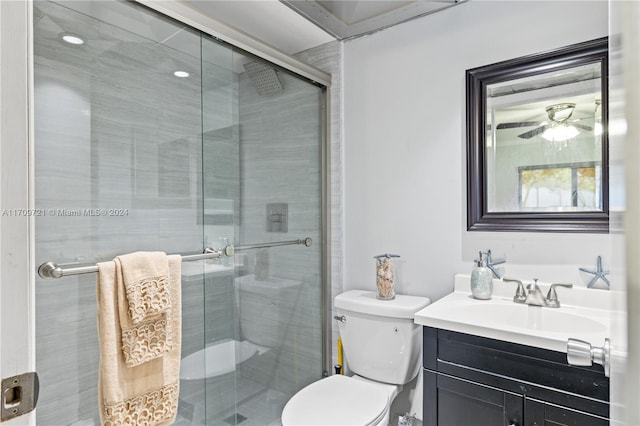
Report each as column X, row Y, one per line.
column 568, row 186
column 536, row 142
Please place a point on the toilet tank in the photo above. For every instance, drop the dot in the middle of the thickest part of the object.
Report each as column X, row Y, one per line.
column 379, row 338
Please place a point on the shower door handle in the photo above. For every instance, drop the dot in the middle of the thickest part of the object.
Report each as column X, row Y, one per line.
column 230, row 250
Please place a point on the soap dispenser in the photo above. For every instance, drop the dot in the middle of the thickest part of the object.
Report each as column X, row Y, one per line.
column 481, row 279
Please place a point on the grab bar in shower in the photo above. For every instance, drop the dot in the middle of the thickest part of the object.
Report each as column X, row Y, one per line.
column 49, row 270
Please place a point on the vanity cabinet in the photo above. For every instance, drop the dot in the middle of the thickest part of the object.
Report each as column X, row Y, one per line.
column 472, row 380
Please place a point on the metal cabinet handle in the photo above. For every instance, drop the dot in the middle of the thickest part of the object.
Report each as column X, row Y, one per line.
column 340, row 318
column 582, row 353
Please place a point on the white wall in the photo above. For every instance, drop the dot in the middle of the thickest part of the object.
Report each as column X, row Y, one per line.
column 404, row 127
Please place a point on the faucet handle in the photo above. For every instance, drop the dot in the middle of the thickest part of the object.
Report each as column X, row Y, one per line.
column 521, row 295
column 552, row 296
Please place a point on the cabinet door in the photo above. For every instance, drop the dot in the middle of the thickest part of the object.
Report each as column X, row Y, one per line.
column 540, row 413
column 449, row 401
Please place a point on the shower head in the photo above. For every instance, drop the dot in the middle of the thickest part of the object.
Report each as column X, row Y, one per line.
column 265, row 79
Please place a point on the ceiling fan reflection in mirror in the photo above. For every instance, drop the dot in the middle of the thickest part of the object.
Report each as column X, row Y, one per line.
column 559, row 127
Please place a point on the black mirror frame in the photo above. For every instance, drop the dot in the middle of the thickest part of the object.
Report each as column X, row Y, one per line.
column 477, row 80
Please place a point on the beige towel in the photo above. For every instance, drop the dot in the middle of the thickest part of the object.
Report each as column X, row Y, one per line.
column 147, row 333
column 145, row 280
column 146, row 394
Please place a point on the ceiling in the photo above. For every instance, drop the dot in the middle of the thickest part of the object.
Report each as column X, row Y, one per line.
column 292, row 26
column 266, row 20
column 353, row 18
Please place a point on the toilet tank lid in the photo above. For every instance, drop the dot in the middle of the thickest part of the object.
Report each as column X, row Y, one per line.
column 366, row 302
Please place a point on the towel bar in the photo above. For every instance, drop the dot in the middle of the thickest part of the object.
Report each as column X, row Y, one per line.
column 230, row 250
column 50, row 270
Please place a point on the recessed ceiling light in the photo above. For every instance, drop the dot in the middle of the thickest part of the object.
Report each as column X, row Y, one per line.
column 181, row 74
column 72, row 39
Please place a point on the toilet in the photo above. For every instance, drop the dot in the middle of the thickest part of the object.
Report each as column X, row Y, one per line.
column 382, row 347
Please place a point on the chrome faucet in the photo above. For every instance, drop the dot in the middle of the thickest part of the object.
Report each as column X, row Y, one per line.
column 534, row 295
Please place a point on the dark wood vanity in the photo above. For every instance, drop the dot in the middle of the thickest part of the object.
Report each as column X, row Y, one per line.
column 472, row 380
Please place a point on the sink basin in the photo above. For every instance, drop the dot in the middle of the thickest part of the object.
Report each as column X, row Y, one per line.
column 551, row 320
column 584, row 314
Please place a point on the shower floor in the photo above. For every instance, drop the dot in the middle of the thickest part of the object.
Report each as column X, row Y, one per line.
column 263, row 409
column 256, row 406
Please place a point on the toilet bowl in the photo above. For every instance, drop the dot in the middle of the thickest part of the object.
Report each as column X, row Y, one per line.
column 382, row 346
column 341, row 400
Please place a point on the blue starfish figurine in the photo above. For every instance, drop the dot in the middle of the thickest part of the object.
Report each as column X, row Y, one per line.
column 597, row 274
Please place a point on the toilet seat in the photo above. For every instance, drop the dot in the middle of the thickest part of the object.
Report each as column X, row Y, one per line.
column 337, row 400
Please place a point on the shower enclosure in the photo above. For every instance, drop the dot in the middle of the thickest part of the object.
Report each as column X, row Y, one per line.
column 150, row 135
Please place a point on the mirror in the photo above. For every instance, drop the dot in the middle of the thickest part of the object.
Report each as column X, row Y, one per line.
column 537, row 142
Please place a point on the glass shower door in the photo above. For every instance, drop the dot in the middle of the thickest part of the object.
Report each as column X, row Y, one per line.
column 150, row 136
column 118, row 165
column 262, row 172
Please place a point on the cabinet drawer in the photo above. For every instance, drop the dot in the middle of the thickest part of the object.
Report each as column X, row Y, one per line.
column 456, row 402
column 543, row 413
column 538, row 373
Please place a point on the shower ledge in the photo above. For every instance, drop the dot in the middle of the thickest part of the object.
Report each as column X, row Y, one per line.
column 195, row 269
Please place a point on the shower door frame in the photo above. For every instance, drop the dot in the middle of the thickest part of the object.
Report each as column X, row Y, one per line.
column 237, row 39
column 253, row 47
column 17, row 244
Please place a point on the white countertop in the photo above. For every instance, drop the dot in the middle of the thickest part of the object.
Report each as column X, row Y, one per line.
column 584, row 314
